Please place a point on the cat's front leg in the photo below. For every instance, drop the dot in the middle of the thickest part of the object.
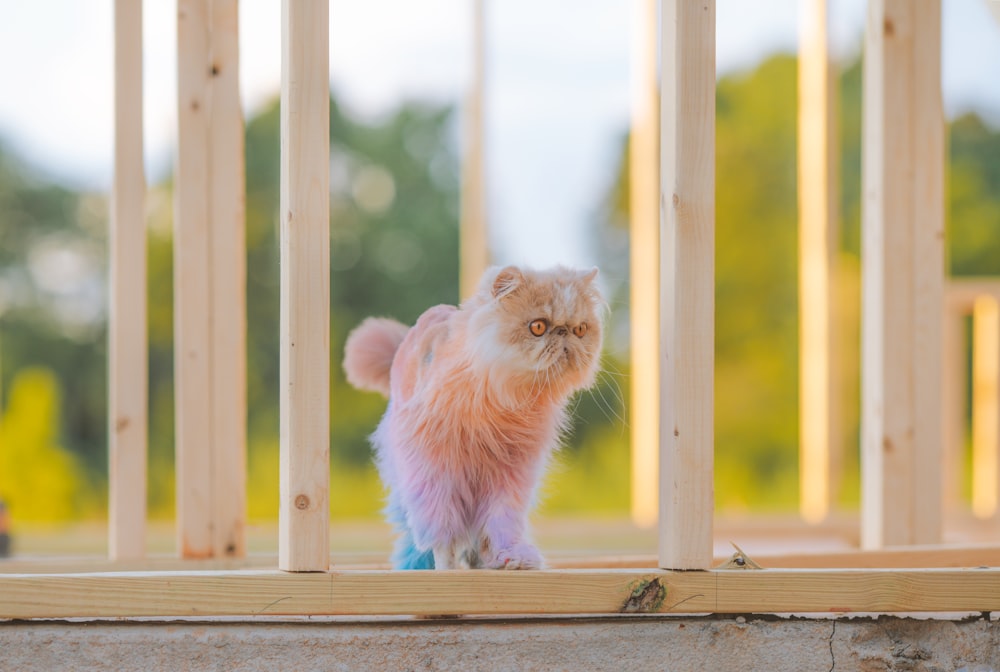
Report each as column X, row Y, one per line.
column 456, row 556
column 505, row 545
column 521, row 555
column 444, row 557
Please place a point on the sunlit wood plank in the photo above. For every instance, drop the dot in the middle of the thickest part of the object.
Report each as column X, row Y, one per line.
column 304, row 395
column 128, row 379
column 687, row 283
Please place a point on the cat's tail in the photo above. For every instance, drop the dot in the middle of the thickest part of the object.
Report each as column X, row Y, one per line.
column 369, row 352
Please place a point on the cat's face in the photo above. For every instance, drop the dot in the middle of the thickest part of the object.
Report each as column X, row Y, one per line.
column 543, row 327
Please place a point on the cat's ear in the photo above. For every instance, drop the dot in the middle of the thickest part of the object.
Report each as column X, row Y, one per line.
column 506, row 281
column 588, row 276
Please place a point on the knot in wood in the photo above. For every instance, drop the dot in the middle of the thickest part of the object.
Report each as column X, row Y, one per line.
column 302, row 502
column 646, row 597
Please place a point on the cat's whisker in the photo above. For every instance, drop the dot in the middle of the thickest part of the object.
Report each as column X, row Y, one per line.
column 615, row 387
column 608, row 408
column 608, row 368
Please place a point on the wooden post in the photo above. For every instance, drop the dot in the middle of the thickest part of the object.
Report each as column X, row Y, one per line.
column 954, row 400
column 474, row 232
column 687, row 282
column 228, row 274
column 644, row 251
column 985, row 406
column 903, row 256
column 819, row 437
column 209, row 281
column 304, row 517
column 127, row 350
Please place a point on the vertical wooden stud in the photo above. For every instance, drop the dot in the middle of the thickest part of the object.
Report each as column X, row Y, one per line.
column 209, row 282
column 985, row 406
column 903, row 276
column 228, row 277
column 474, row 231
column 127, row 351
column 687, row 282
column 304, row 517
column 953, row 398
column 644, row 250
column 817, row 164
column 192, row 307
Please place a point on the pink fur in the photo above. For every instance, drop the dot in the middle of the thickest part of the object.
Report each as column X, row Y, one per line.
column 476, row 407
column 369, row 351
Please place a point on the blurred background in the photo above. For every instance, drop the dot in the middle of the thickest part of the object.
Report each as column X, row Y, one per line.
column 557, row 115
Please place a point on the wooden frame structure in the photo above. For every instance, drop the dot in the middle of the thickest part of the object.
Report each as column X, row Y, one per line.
column 980, row 299
column 686, row 199
column 209, row 283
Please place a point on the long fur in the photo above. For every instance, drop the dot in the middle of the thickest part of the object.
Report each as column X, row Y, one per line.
column 476, row 407
column 369, row 352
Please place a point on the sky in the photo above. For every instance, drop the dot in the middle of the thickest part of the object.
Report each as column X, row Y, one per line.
column 558, row 86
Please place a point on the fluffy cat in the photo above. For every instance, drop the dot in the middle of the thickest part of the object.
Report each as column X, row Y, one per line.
column 477, row 403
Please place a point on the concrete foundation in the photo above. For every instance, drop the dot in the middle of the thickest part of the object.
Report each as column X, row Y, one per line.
column 744, row 644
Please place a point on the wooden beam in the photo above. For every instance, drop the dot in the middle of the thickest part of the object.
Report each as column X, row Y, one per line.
column 271, row 593
column 910, row 557
column 961, row 293
column 687, row 282
column 903, row 257
column 304, row 514
column 644, row 256
column 209, row 281
column 819, row 436
column 953, row 397
column 127, row 349
column 228, row 275
column 192, row 308
column 474, row 230
column 985, row 407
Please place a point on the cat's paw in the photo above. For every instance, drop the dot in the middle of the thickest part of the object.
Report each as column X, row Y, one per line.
column 517, row 556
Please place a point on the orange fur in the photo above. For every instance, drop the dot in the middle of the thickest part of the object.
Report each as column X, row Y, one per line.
column 476, row 407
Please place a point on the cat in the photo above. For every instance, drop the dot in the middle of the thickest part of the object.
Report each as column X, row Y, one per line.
column 477, row 404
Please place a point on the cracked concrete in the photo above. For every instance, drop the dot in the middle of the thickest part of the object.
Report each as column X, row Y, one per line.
column 833, row 634
column 621, row 644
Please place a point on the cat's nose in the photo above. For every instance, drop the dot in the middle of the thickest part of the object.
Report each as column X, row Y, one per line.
column 562, row 331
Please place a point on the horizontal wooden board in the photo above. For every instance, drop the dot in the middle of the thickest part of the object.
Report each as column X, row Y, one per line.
column 908, row 557
column 376, row 592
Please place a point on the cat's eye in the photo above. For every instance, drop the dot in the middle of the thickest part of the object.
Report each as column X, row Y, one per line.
column 580, row 329
column 538, row 327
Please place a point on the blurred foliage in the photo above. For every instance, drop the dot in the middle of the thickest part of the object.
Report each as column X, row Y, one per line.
column 394, row 235
column 39, row 479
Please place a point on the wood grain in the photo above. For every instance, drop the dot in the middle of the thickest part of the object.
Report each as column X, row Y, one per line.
column 127, row 349
column 903, row 276
column 228, row 442
column 210, row 287
column 192, row 283
column 304, row 397
column 275, row 593
column 687, row 283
